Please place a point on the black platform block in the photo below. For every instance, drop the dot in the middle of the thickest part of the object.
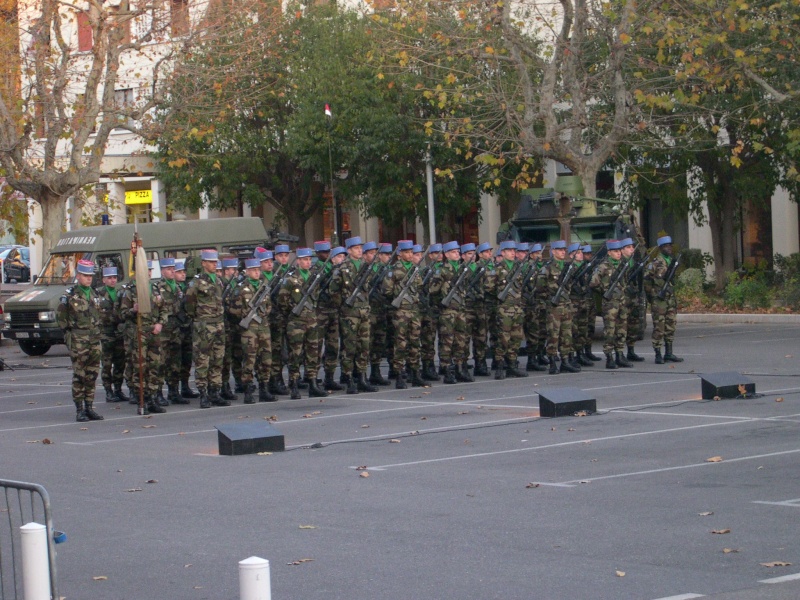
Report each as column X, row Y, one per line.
column 249, row 438
column 565, row 402
column 726, row 385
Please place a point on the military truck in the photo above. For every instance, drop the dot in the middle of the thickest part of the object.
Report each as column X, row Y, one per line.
column 30, row 316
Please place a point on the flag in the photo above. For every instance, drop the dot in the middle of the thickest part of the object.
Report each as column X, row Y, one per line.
column 328, row 112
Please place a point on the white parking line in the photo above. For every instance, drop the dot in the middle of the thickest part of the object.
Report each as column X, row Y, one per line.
column 682, row 597
column 782, row 579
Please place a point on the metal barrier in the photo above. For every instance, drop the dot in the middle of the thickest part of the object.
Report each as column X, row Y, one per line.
column 22, row 503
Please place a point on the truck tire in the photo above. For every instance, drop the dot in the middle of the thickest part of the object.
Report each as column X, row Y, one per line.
column 34, row 348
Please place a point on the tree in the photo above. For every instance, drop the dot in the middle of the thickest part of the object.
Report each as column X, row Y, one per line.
column 75, row 61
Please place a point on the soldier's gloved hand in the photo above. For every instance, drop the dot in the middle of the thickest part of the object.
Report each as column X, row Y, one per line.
column 157, row 328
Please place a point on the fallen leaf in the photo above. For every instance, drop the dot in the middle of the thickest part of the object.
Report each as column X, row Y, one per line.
column 241, row 417
column 730, row 550
column 301, row 561
column 187, row 565
column 317, row 412
column 361, row 468
column 126, row 431
column 307, row 416
column 152, row 481
column 100, row 578
column 308, row 526
column 779, row 399
column 460, row 398
column 134, row 490
column 364, row 474
column 620, row 573
column 46, row 441
column 708, row 513
column 84, row 429
column 148, row 426
column 394, row 441
column 31, row 402
column 423, row 418
column 552, row 429
column 33, row 441
column 717, row 398
column 720, row 531
column 426, row 393
column 789, row 356
column 571, row 429
column 263, row 453
column 776, row 563
column 532, row 485
column 415, row 396
column 714, row 459
column 365, row 427
column 464, row 412
column 198, row 587
column 582, row 413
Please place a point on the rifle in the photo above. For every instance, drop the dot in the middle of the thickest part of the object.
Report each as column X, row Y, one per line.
column 640, row 265
column 376, row 280
column 453, row 293
column 298, row 308
column 616, row 278
column 475, row 279
column 588, row 265
column 274, row 289
column 255, row 303
column 361, row 279
column 409, row 280
column 669, row 277
column 231, row 286
column 512, row 276
column 566, row 278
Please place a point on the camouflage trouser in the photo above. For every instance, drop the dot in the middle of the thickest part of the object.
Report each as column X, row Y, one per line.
column 591, row 318
column 406, row 338
column 509, row 332
column 491, row 326
column 171, row 354
column 113, row 357
column 665, row 316
column 452, row 336
column 615, row 317
column 429, row 327
column 277, row 331
column 580, row 323
column 635, row 316
column 328, row 332
column 151, row 358
column 530, row 329
column 354, row 326
column 378, row 325
column 209, row 350
column 559, row 329
column 303, row 337
column 84, row 351
column 256, row 350
column 128, row 341
column 477, row 330
column 232, row 360
column 187, row 354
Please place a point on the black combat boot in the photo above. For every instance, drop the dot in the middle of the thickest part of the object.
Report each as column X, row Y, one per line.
column 330, row 384
column 314, row 391
column 429, row 371
column 588, row 352
column 204, row 401
column 659, row 358
column 573, row 360
column 544, row 360
column 350, row 381
column 392, row 373
column 263, row 393
column 513, row 370
column 362, row 384
column 494, row 366
column 610, row 364
column 119, row 395
column 216, row 399
column 533, row 364
column 633, row 356
column 481, row 370
column 463, row 374
column 152, row 405
column 417, row 380
column 668, row 355
column 273, row 385
column 442, row 370
column 249, row 393
column 500, row 371
column 553, row 366
column 621, row 360
column 174, row 395
column 110, row 397
column 227, row 392
column 239, row 387
column 450, row 374
column 583, row 360
column 566, row 365
column 159, row 398
column 89, row 410
column 375, row 377
column 282, row 389
column 302, row 384
column 400, row 381
column 80, row 414
column 134, row 398
column 295, row 391
column 187, row 391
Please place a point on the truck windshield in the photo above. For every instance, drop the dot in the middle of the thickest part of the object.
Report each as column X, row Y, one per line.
column 60, row 268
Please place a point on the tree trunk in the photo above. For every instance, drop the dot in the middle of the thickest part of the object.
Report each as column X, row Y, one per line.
column 54, row 212
column 296, row 224
column 722, row 221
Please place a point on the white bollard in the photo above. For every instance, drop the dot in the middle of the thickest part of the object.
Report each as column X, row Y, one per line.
column 35, row 564
column 254, row 581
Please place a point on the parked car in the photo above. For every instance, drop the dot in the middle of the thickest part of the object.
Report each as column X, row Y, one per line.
column 16, row 263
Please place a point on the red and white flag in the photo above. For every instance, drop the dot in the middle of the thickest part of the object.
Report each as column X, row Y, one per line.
column 328, row 112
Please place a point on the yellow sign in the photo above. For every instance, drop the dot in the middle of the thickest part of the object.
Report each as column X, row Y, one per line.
column 139, row 197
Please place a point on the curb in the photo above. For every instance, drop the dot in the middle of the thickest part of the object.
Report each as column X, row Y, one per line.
column 787, row 319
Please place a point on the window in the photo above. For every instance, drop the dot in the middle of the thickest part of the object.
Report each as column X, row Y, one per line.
column 124, row 102
column 179, row 17
column 85, row 35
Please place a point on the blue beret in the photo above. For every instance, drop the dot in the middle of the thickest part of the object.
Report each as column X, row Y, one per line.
column 416, row 249
column 385, row 248
column 150, row 264
column 322, row 246
column 613, row 245
column 86, row 267
column 259, row 253
column 436, row 247
column 337, row 251
column 230, row 263
column 353, row 241
column 219, row 265
column 559, row 245
column 109, row 271
column 303, row 252
column 209, row 255
column 405, row 244
column 483, row 247
column 451, row 246
column 626, row 242
column 574, row 247
column 252, row 263
column 537, row 247
column 664, row 240
column 180, row 265
column 267, row 255
column 470, row 247
column 370, row 246
column 508, row 245
column 282, row 249
column 166, row 262
column 522, row 246
column 587, row 249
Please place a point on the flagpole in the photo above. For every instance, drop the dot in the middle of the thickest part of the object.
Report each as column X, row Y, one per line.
column 334, row 206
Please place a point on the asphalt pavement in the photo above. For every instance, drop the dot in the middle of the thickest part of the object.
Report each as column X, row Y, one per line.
column 448, row 492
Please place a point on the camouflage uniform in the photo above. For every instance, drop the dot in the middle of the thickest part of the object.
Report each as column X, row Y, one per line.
column 380, row 322
column 328, row 324
column 475, row 313
column 111, row 340
column 232, row 360
column 452, row 321
column 509, row 315
column 582, row 304
column 664, row 311
column 277, row 322
column 559, row 316
column 79, row 317
column 203, row 305
column 633, row 295
column 301, row 330
column 172, row 296
column 406, row 320
column 430, row 307
column 615, row 311
column 256, row 342
column 186, row 354
column 534, row 324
